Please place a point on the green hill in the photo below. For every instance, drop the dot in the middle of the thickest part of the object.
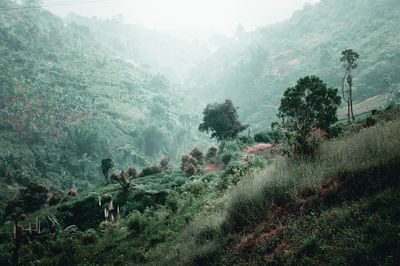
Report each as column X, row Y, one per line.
column 255, row 69
column 66, row 103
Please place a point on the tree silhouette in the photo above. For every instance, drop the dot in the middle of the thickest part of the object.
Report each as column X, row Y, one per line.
column 348, row 59
column 221, row 120
column 307, row 106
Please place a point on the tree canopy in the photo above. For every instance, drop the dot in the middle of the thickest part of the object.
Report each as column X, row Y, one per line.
column 307, row 106
column 221, row 120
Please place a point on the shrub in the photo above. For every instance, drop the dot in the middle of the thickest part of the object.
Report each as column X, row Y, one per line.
column 229, row 156
column 195, row 187
column 34, row 196
column 247, row 140
column 187, row 159
column 197, row 153
column 89, row 237
column 211, row 153
column 132, row 173
column 55, row 199
column 172, row 203
column 264, row 137
column 151, row 170
column 209, row 177
column 190, row 170
column 371, row 121
column 164, row 163
column 136, row 222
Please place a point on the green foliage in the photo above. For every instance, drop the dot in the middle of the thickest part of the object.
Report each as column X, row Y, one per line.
column 307, row 106
column 30, row 199
column 136, row 222
column 195, row 187
column 197, row 153
column 221, row 120
column 106, row 165
column 164, row 163
column 151, row 170
column 132, row 173
column 273, row 136
column 211, row 153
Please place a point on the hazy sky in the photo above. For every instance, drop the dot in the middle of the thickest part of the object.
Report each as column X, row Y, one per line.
column 219, row 16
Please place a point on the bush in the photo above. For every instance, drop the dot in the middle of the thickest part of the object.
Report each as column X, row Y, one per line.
column 172, row 203
column 247, row 140
column 190, row 170
column 55, row 199
column 197, row 153
column 195, row 187
column 132, row 173
column 89, row 237
column 371, row 121
column 151, row 170
column 229, row 156
column 209, row 177
column 187, row 159
column 211, row 153
column 136, row 222
column 264, row 137
column 164, row 163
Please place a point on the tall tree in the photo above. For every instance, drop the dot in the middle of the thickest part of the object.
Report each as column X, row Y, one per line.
column 221, row 120
column 348, row 59
column 307, row 106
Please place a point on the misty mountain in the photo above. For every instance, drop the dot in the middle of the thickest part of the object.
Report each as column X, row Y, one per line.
column 255, row 69
column 159, row 52
column 66, row 104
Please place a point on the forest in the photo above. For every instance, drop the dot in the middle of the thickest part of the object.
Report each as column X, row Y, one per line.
column 121, row 145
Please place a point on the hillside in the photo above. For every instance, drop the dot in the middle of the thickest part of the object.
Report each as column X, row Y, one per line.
column 102, row 161
column 255, row 69
column 66, row 104
column 339, row 207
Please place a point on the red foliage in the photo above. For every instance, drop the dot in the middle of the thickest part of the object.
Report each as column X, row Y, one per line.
column 72, row 193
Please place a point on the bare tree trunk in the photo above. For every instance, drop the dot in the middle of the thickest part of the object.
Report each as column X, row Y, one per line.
column 348, row 110
column 18, row 236
column 344, row 98
column 351, row 103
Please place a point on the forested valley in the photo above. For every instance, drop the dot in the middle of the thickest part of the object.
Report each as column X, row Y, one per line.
column 121, row 145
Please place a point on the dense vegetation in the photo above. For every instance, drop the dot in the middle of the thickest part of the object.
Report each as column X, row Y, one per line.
column 82, row 134
column 67, row 104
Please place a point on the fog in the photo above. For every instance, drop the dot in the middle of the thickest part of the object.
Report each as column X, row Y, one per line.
column 179, row 16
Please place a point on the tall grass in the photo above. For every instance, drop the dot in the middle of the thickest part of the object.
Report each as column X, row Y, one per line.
column 282, row 181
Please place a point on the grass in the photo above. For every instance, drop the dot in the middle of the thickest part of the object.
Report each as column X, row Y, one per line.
column 323, row 204
column 338, row 207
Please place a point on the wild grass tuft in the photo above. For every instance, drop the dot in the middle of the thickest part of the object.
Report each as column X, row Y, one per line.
column 369, row 151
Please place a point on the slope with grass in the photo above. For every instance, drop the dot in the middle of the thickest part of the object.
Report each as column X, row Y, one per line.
column 340, row 206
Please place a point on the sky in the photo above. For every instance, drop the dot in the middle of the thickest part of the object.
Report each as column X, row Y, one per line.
column 213, row 16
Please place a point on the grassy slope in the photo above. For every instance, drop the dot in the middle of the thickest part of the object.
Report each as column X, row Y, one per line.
column 340, row 207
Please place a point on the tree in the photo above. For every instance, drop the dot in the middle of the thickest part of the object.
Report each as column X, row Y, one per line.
column 307, row 106
column 221, row 120
column 348, row 59
column 106, row 165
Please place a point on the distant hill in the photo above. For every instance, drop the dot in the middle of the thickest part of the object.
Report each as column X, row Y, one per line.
column 66, row 104
column 255, row 69
column 159, row 52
